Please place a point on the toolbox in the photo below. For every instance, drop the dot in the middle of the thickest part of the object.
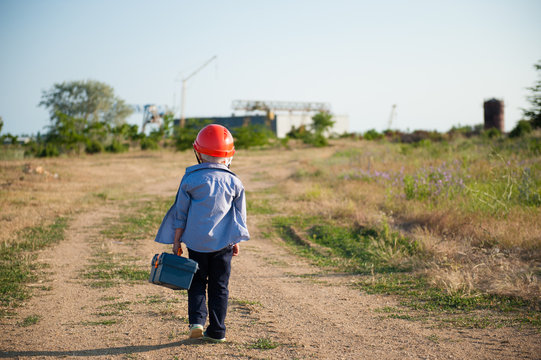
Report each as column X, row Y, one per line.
column 172, row 271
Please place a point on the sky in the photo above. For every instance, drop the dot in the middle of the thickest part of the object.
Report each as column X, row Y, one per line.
column 436, row 60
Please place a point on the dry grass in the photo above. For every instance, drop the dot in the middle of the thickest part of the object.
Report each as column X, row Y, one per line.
column 28, row 198
column 465, row 250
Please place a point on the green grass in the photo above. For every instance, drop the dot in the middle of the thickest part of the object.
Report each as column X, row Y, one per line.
column 353, row 249
column 17, row 261
column 30, row 320
column 140, row 221
column 264, row 344
column 245, row 302
column 106, row 322
column 257, row 206
column 418, row 294
column 389, row 257
column 421, row 301
column 117, row 306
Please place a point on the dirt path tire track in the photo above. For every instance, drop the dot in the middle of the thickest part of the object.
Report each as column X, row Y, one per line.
column 321, row 317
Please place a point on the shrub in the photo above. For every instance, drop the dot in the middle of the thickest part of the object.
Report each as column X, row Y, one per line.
column 93, row 146
column 47, row 150
column 372, row 135
column 252, row 135
column 522, row 128
column 185, row 137
column 117, row 147
column 149, row 143
column 491, row 133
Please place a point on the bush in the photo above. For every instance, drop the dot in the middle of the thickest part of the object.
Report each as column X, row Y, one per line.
column 491, row 133
column 297, row 133
column 372, row 135
column 185, row 137
column 252, row 135
column 117, row 147
column 149, row 143
column 522, row 128
column 47, row 150
column 93, row 146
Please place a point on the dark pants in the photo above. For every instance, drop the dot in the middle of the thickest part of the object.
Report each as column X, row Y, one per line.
column 214, row 270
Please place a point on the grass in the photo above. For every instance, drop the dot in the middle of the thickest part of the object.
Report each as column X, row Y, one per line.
column 109, row 269
column 434, row 225
column 30, row 320
column 106, row 322
column 17, row 261
column 354, row 249
column 139, row 222
column 264, row 344
column 117, row 306
column 245, row 302
column 421, row 301
column 382, row 253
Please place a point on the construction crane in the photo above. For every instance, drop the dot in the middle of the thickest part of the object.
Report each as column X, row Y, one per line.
column 270, row 107
column 182, row 101
column 392, row 117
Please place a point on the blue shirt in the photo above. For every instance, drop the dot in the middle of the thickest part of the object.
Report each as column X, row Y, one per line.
column 211, row 208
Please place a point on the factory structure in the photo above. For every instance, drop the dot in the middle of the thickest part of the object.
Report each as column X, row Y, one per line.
column 278, row 116
column 494, row 114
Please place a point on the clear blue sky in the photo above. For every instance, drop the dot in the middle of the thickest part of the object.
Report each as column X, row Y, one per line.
column 437, row 60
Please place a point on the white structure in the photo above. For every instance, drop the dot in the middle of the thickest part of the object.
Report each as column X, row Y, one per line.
column 285, row 122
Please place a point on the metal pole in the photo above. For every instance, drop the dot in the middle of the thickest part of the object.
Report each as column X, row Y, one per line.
column 182, row 119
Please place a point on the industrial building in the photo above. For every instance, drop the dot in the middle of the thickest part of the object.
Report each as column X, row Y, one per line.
column 279, row 116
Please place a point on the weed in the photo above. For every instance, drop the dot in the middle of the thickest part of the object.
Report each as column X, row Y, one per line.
column 101, row 322
column 264, row 344
column 17, row 260
column 434, row 338
column 366, row 249
column 108, row 313
column 387, row 309
column 30, row 320
column 155, row 299
column 120, row 306
column 245, row 302
column 260, row 206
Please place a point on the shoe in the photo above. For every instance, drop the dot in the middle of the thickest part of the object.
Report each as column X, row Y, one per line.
column 196, row 331
column 211, row 339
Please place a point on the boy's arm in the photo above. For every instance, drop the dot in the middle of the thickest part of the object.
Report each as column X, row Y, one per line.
column 240, row 203
column 177, row 249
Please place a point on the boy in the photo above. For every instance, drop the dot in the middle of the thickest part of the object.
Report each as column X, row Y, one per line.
column 209, row 216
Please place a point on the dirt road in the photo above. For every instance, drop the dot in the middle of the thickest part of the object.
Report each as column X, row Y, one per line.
column 281, row 307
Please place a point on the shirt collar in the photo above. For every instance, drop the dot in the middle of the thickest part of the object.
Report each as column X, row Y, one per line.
column 207, row 166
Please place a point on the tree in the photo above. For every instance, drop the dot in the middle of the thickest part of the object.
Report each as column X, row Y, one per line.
column 321, row 122
column 90, row 100
column 533, row 115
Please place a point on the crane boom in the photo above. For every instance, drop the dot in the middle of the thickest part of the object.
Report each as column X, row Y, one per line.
column 182, row 119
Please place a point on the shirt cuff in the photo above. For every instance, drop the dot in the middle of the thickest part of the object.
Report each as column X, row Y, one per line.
column 179, row 224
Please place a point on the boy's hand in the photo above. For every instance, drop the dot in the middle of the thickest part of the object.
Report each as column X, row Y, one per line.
column 177, row 249
column 235, row 249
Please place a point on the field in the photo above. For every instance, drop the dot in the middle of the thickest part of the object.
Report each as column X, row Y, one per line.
column 359, row 249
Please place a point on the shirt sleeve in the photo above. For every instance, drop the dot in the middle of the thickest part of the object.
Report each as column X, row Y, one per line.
column 182, row 205
column 240, row 204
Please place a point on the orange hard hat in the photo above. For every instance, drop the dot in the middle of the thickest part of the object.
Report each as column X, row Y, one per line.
column 214, row 140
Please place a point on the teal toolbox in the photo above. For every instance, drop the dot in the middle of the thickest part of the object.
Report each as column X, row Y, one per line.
column 172, row 271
